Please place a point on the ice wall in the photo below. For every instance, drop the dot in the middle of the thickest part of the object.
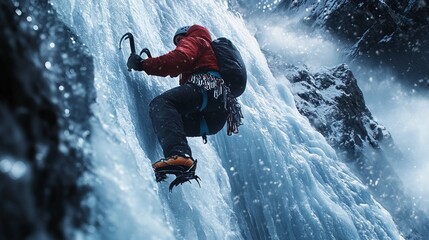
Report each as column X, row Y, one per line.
column 277, row 179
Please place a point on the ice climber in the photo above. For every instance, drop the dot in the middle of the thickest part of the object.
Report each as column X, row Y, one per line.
column 198, row 107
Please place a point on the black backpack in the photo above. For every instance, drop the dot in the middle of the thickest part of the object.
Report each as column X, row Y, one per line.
column 231, row 65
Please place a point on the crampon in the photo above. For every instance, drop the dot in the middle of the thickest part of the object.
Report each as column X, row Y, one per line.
column 182, row 176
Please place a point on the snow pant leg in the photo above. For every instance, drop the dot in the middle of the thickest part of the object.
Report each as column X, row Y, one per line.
column 166, row 112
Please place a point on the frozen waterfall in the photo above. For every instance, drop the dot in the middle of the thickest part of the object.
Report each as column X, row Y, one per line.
column 277, row 179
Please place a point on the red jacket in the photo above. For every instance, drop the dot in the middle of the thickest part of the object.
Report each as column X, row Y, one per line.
column 192, row 54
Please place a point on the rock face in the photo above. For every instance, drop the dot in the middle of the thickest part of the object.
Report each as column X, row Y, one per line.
column 334, row 105
column 47, row 89
column 391, row 33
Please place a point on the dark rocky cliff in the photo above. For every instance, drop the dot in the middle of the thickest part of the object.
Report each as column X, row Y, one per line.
column 45, row 97
column 393, row 33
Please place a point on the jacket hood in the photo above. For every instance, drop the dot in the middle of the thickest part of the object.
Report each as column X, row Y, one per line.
column 199, row 31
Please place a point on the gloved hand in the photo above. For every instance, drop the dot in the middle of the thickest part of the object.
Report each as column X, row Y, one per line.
column 135, row 62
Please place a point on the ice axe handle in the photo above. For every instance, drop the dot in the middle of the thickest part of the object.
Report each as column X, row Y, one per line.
column 145, row 50
column 129, row 36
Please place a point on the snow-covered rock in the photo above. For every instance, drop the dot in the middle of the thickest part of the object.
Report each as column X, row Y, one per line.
column 390, row 34
column 335, row 106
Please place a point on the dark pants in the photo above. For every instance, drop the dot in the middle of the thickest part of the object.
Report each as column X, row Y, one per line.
column 176, row 115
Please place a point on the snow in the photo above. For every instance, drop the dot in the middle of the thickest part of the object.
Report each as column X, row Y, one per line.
column 277, row 179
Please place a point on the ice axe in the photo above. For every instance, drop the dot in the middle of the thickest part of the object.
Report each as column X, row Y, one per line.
column 130, row 36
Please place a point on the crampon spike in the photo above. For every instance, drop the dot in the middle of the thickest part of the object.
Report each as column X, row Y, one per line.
column 160, row 177
column 182, row 176
column 186, row 177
